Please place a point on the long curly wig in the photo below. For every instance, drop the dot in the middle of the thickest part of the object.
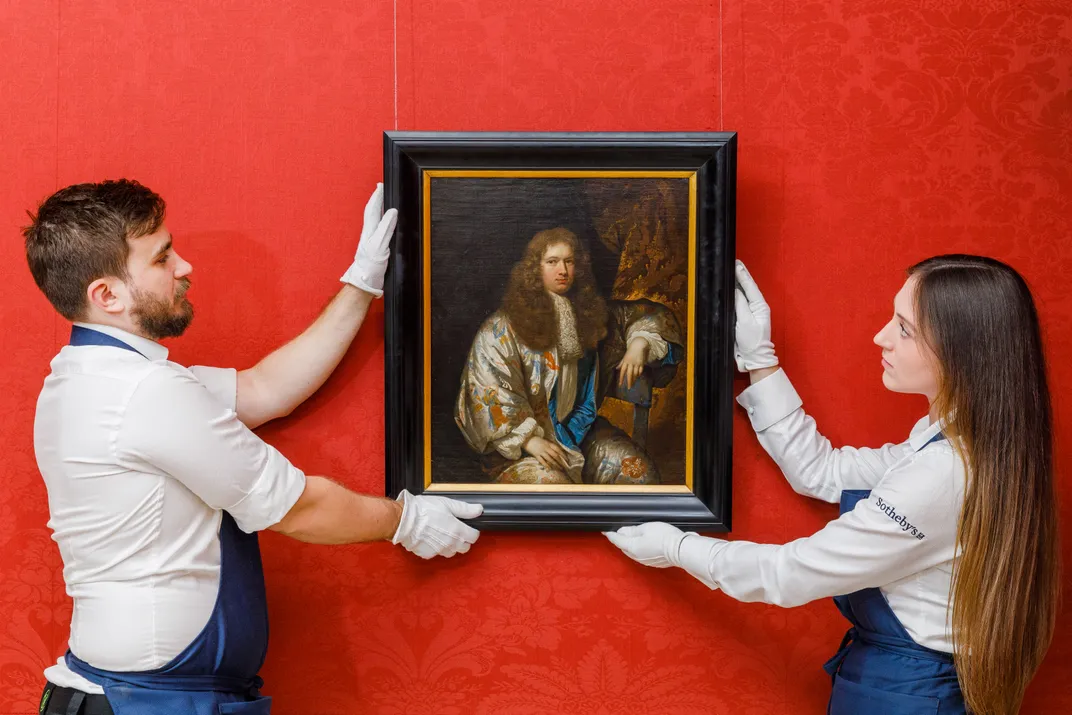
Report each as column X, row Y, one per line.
column 528, row 305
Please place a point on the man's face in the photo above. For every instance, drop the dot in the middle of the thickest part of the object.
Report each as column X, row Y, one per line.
column 158, row 283
column 556, row 268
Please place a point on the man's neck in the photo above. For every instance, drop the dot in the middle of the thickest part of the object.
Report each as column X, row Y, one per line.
column 122, row 323
column 146, row 346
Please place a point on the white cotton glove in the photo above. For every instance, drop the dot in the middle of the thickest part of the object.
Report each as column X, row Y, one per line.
column 752, row 346
column 656, row 543
column 430, row 525
column 662, row 545
column 370, row 262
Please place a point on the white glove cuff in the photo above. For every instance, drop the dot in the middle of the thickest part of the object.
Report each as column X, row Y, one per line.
column 673, row 549
column 353, row 277
column 761, row 357
column 695, row 554
column 406, row 522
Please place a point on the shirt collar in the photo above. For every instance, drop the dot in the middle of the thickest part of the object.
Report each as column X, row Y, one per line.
column 919, row 439
column 149, row 348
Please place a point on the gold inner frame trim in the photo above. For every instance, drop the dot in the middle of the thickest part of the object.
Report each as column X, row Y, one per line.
column 556, row 488
column 426, row 311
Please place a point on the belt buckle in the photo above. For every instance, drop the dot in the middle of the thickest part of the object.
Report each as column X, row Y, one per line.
column 45, row 697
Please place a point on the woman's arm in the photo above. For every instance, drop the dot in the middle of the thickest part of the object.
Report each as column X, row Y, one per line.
column 809, row 462
column 807, row 459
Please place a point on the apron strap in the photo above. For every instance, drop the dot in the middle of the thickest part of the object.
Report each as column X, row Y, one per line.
column 834, row 664
column 85, row 336
column 194, row 682
column 889, row 643
column 850, row 498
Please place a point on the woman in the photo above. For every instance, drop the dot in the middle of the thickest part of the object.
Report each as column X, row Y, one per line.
column 540, row 366
column 945, row 556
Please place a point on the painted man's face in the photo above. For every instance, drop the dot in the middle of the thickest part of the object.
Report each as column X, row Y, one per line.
column 556, row 268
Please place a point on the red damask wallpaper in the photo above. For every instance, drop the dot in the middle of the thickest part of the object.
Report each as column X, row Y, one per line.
column 872, row 133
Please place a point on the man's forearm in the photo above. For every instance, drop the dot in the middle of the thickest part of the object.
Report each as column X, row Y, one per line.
column 288, row 376
column 328, row 513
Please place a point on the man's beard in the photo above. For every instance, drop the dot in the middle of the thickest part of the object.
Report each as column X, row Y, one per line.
column 158, row 318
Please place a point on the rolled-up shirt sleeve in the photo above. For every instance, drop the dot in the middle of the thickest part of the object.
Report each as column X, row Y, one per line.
column 221, row 382
column 907, row 525
column 181, row 428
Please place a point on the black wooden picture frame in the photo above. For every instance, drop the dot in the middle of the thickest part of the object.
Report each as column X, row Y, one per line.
column 708, row 160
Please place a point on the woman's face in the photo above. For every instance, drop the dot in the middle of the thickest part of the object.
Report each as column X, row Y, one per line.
column 556, row 268
column 908, row 363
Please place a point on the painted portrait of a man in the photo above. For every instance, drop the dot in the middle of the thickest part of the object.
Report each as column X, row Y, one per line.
column 540, row 367
column 558, row 325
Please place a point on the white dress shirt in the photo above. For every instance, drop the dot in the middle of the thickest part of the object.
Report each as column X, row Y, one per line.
column 139, row 456
column 902, row 539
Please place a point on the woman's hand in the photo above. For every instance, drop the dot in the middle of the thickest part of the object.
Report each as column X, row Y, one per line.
column 752, row 346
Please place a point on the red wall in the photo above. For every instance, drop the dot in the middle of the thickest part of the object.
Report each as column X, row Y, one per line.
column 871, row 135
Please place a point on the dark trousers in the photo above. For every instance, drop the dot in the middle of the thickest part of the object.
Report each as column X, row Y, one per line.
column 68, row 701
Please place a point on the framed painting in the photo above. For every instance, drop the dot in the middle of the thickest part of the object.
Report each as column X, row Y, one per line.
column 559, row 325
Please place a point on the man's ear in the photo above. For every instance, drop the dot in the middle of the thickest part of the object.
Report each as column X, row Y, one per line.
column 108, row 294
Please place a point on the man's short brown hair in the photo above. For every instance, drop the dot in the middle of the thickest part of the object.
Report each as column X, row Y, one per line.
column 80, row 234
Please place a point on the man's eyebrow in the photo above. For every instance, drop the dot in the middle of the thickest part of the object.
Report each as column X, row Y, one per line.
column 163, row 249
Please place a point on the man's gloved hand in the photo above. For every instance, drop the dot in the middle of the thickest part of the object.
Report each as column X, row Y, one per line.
column 752, row 346
column 370, row 262
column 662, row 545
column 430, row 525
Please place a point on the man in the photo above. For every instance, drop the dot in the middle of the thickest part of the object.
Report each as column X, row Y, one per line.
column 156, row 483
column 540, row 366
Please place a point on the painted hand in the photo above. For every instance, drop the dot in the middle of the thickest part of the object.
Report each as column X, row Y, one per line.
column 548, row 454
column 630, row 366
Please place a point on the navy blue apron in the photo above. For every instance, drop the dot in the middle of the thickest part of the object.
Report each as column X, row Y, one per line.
column 879, row 668
column 217, row 673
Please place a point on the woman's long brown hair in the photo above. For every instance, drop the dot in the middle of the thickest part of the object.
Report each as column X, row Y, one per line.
column 979, row 318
